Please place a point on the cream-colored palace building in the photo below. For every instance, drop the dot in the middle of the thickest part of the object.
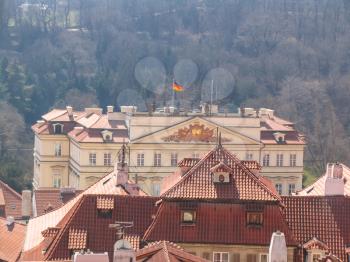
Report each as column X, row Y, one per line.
column 74, row 149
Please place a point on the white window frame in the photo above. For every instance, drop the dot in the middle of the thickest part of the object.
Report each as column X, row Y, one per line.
column 56, row 178
column 221, row 257
column 279, row 188
column 140, row 159
column 54, row 128
column 92, row 159
column 196, row 155
column 58, row 149
column 156, row 189
column 293, row 160
column 157, row 161
column 266, row 159
column 173, row 159
column 291, row 188
column 248, row 156
column 263, row 254
column 107, row 159
column 279, row 159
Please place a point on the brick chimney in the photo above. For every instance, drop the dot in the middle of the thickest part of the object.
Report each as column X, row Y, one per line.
column 278, row 248
column 334, row 184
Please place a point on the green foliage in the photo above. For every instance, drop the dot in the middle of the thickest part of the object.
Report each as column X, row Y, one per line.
column 293, row 57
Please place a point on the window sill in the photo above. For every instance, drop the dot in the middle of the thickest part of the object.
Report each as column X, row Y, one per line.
column 188, row 224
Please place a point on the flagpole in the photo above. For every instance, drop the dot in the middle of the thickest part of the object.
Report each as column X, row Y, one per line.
column 211, row 95
column 173, row 98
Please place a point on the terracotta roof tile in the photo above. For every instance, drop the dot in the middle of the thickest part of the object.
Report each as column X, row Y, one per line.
column 77, row 239
column 324, row 218
column 220, row 223
column 105, row 202
column 198, row 183
column 128, row 208
column 11, row 240
column 105, row 186
column 12, row 200
column 165, row 251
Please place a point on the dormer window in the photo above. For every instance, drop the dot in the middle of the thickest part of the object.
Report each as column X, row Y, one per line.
column 188, row 216
column 107, row 135
column 57, row 128
column 254, row 218
column 279, row 137
column 221, row 173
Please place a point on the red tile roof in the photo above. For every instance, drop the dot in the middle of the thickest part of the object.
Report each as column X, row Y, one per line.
column 219, row 223
column 12, row 201
column 11, row 240
column 100, row 238
column 48, row 199
column 324, row 218
column 165, row 251
column 198, row 183
column 77, row 238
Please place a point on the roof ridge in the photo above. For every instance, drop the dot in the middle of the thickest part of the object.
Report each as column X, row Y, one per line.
column 69, row 217
column 11, row 189
column 219, row 148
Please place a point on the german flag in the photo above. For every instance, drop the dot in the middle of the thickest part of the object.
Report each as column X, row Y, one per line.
column 177, row 87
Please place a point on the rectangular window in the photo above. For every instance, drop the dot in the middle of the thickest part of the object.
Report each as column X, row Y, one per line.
column 236, row 257
column 156, row 189
column 56, row 181
column 293, row 160
column 173, row 159
column 220, row 257
column 279, row 160
column 252, row 258
column 92, row 159
column 278, row 187
column 264, row 258
column 291, row 188
column 58, row 149
column 140, row 159
column 249, row 156
column 195, row 155
column 188, row 216
column 157, row 159
column 266, row 160
column 254, row 218
column 107, row 159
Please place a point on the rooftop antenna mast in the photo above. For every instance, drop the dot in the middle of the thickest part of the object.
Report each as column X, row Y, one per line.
column 211, row 95
column 120, row 226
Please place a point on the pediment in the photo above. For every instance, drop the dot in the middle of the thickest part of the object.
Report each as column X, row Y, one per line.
column 195, row 130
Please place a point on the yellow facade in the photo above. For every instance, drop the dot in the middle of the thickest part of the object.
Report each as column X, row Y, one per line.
column 157, row 142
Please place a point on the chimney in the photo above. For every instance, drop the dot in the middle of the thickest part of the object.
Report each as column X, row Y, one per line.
column 26, row 204
column 89, row 256
column 278, row 248
column 69, row 110
column 123, row 252
column 110, row 109
column 334, row 184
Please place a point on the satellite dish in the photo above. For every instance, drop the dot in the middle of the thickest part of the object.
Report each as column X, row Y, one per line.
column 122, row 244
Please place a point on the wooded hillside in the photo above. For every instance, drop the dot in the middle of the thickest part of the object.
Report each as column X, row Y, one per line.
column 290, row 55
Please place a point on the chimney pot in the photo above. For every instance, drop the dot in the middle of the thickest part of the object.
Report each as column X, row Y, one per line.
column 69, row 110
column 110, row 109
